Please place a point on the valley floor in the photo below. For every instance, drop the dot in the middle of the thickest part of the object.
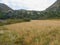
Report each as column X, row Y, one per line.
column 35, row 25
column 37, row 32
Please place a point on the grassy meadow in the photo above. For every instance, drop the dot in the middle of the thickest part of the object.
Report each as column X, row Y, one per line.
column 36, row 32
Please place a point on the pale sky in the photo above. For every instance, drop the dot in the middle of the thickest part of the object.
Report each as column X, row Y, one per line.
column 28, row 4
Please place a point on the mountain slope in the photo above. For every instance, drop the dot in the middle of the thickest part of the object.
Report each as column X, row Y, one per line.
column 55, row 6
column 52, row 12
column 4, row 7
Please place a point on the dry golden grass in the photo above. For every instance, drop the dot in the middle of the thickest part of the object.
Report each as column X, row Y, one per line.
column 35, row 25
column 38, row 32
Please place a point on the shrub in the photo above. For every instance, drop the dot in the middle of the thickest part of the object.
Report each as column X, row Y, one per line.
column 27, row 19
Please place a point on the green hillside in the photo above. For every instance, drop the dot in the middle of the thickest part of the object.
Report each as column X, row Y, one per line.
column 53, row 12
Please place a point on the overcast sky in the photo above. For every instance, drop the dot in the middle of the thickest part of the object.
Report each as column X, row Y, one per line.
column 28, row 4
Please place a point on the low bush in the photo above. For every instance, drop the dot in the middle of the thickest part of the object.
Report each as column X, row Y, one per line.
column 12, row 21
column 27, row 19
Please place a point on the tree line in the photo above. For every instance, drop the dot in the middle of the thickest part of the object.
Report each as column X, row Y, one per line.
column 33, row 15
